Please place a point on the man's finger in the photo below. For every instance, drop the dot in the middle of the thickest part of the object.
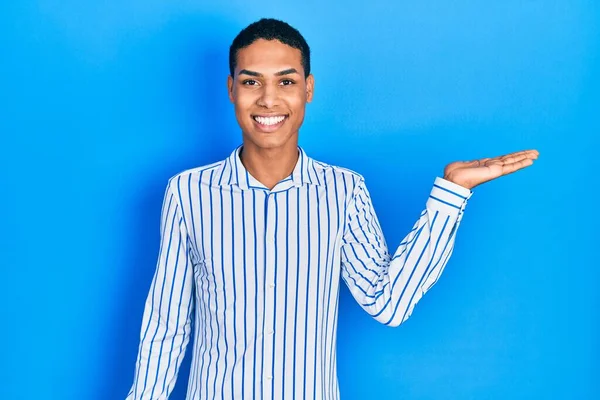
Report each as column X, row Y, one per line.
column 527, row 153
column 515, row 158
column 513, row 167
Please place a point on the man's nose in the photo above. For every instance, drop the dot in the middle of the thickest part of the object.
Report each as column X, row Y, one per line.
column 268, row 96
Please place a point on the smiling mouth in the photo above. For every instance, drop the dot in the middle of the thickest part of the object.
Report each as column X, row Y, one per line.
column 270, row 121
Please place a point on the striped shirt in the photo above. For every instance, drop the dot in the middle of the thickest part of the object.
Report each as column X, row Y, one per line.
column 257, row 271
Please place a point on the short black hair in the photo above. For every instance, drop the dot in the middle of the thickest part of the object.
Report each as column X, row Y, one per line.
column 270, row 29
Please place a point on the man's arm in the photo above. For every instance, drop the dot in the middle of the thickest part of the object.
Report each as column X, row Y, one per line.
column 388, row 287
column 166, row 323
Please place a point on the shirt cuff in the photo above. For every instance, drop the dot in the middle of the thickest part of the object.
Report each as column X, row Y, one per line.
column 448, row 196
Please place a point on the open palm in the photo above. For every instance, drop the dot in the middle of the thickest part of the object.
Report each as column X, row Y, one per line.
column 472, row 173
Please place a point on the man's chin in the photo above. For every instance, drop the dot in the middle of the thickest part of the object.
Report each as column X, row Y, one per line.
column 268, row 141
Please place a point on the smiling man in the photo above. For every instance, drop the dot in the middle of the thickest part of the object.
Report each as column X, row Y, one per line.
column 253, row 247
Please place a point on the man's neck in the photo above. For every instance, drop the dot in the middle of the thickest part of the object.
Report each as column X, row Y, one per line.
column 270, row 166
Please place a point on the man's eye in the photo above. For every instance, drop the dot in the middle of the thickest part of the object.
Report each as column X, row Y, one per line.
column 287, row 82
column 249, row 82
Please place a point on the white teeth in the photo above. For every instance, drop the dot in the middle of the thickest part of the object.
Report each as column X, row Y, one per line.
column 269, row 120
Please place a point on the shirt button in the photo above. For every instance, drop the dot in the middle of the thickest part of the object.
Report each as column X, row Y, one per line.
column 269, row 377
column 271, row 285
column 269, row 241
column 270, row 332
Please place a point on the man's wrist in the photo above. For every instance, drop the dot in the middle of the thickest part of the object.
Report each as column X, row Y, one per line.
column 449, row 178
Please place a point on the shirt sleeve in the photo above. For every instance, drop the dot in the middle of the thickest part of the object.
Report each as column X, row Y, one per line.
column 166, row 323
column 388, row 287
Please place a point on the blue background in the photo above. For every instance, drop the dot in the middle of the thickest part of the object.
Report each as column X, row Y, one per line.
column 101, row 102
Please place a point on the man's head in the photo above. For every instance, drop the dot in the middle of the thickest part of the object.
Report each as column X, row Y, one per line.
column 270, row 83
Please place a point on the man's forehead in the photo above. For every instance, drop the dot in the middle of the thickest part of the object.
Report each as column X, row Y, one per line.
column 269, row 55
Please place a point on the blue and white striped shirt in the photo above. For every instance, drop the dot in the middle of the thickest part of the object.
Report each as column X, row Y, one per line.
column 258, row 270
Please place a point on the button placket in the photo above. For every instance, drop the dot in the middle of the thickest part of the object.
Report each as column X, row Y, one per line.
column 269, row 277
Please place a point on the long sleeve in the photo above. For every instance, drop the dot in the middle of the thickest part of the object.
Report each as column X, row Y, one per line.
column 166, row 323
column 389, row 287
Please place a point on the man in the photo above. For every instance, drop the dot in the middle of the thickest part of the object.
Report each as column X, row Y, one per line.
column 252, row 247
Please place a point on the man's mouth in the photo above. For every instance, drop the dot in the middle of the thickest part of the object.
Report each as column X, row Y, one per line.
column 269, row 123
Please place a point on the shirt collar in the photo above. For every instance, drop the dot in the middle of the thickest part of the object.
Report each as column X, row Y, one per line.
column 233, row 172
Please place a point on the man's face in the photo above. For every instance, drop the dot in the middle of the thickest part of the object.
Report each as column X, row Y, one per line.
column 269, row 93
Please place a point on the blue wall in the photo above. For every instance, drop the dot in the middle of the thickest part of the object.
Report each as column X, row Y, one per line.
column 100, row 104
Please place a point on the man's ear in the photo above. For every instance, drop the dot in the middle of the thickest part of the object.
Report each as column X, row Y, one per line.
column 230, row 87
column 310, row 87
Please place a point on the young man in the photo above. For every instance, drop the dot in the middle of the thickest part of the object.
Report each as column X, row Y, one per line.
column 253, row 246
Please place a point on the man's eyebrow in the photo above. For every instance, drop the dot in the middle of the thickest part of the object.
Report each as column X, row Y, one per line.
column 258, row 74
column 251, row 73
column 286, row 72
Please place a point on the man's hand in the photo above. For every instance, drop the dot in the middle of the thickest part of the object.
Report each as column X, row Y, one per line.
column 472, row 173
